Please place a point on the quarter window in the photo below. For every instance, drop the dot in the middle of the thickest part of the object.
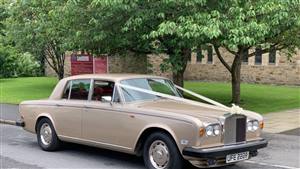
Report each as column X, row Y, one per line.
column 66, row 91
column 80, row 89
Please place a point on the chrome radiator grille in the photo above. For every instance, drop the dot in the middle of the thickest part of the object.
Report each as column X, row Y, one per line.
column 235, row 129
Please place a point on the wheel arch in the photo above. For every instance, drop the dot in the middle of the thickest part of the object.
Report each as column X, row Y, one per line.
column 42, row 116
column 149, row 130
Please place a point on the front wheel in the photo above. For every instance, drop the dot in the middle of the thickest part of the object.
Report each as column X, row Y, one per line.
column 161, row 152
column 46, row 135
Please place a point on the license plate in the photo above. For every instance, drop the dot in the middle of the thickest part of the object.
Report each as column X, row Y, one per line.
column 231, row 158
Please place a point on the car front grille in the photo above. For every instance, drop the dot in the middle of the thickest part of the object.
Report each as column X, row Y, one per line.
column 235, row 129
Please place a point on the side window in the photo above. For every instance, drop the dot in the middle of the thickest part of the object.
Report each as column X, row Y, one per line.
column 103, row 91
column 80, row 89
column 66, row 91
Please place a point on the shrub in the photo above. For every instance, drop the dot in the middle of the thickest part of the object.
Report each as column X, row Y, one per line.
column 15, row 64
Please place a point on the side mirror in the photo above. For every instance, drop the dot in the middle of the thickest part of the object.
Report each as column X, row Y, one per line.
column 106, row 98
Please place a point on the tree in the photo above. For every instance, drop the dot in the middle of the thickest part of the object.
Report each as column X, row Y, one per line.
column 135, row 26
column 240, row 25
column 37, row 27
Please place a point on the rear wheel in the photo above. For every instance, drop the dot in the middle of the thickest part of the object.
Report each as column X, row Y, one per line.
column 161, row 152
column 46, row 135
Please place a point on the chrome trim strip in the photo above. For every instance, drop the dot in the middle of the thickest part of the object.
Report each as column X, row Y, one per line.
column 95, row 142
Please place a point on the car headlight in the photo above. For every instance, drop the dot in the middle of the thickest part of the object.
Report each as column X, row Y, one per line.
column 209, row 130
column 213, row 130
column 252, row 125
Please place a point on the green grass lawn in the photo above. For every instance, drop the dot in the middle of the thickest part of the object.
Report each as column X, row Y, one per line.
column 259, row 98
column 15, row 90
column 255, row 97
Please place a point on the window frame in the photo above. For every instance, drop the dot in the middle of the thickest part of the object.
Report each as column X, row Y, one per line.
column 71, row 85
column 210, row 54
column 258, row 54
column 113, row 94
column 272, row 56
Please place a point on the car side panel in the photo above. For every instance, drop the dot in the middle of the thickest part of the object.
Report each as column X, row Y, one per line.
column 117, row 126
column 65, row 115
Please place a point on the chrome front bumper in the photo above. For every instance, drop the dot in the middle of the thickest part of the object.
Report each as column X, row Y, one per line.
column 215, row 152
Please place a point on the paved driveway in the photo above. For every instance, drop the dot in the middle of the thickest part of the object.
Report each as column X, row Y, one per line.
column 18, row 149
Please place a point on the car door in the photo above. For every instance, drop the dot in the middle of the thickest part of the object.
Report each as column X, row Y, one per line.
column 101, row 122
column 68, row 115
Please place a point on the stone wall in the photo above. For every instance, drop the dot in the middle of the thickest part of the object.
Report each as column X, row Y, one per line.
column 154, row 62
column 128, row 64
column 284, row 71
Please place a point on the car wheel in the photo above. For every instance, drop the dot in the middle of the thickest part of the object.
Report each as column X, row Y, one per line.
column 161, row 152
column 46, row 135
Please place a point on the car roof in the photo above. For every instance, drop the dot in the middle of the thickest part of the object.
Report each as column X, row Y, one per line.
column 112, row 76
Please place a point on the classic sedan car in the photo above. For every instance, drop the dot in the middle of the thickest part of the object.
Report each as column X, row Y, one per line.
column 143, row 115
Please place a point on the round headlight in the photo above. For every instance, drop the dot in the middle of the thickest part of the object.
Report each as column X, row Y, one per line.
column 255, row 125
column 209, row 130
column 249, row 126
column 217, row 130
column 252, row 125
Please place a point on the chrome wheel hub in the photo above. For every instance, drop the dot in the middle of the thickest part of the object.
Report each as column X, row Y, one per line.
column 46, row 134
column 159, row 154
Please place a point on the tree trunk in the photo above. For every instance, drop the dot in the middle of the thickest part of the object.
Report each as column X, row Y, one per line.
column 236, row 79
column 60, row 74
column 178, row 78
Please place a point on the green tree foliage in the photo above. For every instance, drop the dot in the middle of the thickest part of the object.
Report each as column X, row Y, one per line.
column 38, row 27
column 135, row 26
column 240, row 25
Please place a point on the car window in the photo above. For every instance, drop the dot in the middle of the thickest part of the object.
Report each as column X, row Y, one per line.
column 80, row 89
column 66, row 91
column 153, row 84
column 103, row 91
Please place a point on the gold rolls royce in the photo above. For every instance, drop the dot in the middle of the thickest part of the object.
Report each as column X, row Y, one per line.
column 143, row 115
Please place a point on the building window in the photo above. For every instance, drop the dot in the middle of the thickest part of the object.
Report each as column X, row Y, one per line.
column 209, row 54
column 245, row 56
column 272, row 55
column 258, row 56
column 190, row 58
column 199, row 55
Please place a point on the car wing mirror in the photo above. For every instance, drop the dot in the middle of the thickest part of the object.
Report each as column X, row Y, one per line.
column 106, row 98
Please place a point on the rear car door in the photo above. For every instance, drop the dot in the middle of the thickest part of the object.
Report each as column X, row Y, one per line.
column 68, row 116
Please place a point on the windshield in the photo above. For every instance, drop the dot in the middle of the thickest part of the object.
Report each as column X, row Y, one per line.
column 153, row 84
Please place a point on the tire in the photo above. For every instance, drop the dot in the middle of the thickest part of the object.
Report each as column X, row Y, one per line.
column 158, row 145
column 46, row 136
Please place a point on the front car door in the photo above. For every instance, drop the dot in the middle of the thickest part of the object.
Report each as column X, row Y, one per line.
column 101, row 122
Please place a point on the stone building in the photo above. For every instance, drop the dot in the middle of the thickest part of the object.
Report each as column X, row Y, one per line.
column 270, row 68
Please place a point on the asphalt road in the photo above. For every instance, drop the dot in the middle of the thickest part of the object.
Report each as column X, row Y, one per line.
column 19, row 149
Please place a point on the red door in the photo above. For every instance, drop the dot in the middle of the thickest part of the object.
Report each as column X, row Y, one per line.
column 81, row 64
column 100, row 64
column 86, row 64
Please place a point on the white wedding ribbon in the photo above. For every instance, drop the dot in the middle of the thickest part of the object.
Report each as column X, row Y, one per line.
column 234, row 109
